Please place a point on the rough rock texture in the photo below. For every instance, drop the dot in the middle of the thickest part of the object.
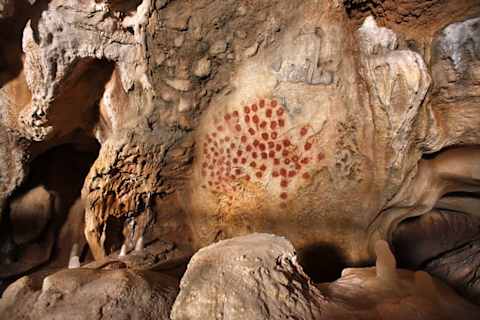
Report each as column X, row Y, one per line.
column 329, row 122
column 30, row 214
column 251, row 277
column 258, row 277
column 91, row 294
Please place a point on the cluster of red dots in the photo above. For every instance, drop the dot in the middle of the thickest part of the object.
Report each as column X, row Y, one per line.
column 255, row 143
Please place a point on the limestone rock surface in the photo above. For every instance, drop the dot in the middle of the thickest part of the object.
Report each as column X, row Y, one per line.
column 91, row 294
column 258, row 277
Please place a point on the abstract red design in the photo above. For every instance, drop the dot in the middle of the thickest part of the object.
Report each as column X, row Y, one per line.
column 257, row 144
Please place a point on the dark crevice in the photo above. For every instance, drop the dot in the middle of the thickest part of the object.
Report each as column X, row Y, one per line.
column 322, row 263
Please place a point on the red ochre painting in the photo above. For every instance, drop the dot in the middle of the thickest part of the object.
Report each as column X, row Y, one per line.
column 256, row 143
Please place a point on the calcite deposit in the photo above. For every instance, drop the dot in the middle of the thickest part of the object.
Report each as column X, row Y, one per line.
column 336, row 124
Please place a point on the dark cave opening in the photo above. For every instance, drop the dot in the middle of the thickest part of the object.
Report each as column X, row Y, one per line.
column 60, row 172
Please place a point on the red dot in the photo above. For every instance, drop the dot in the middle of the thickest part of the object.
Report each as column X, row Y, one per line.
column 307, row 146
column 246, row 109
column 264, row 155
column 295, row 158
column 304, row 161
column 262, row 103
column 273, row 103
column 273, row 125
column 321, row 156
column 283, row 172
column 303, row 131
column 232, row 145
column 275, row 174
column 210, row 183
column 254, row 107
column 297, row 166
column 251, row 131
column 268, row 113
column 238, row 127
column 284, row 183
column 263, row 124
column 243, row 161
column 281, row 122
column 306, row 175
column 254, row 155
column 255, row 142
column 280, row 112
column 286, row 142
column 278, row 147
column 271, row 145
column 227, row 138
column 271, row 154
column 239, row 153
column 214, row 134
column 253, row 164
column 235, row 160
column 286, row 161
column 227, row 117
column 249, row 148
column 247, row 177
column 276, row 162
column 247, row 118
column 265, row 136
column 255, row 119
column 283, row 195
column 235, row 114
column 204, row 165
column 238, row 172
column 258, row 174
column 261, row 146
column 243, row 139
column 285, row 153
column 263, row 167
column 292, row 173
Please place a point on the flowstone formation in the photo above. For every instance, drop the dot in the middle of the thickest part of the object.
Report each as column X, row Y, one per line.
column 337, row 125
